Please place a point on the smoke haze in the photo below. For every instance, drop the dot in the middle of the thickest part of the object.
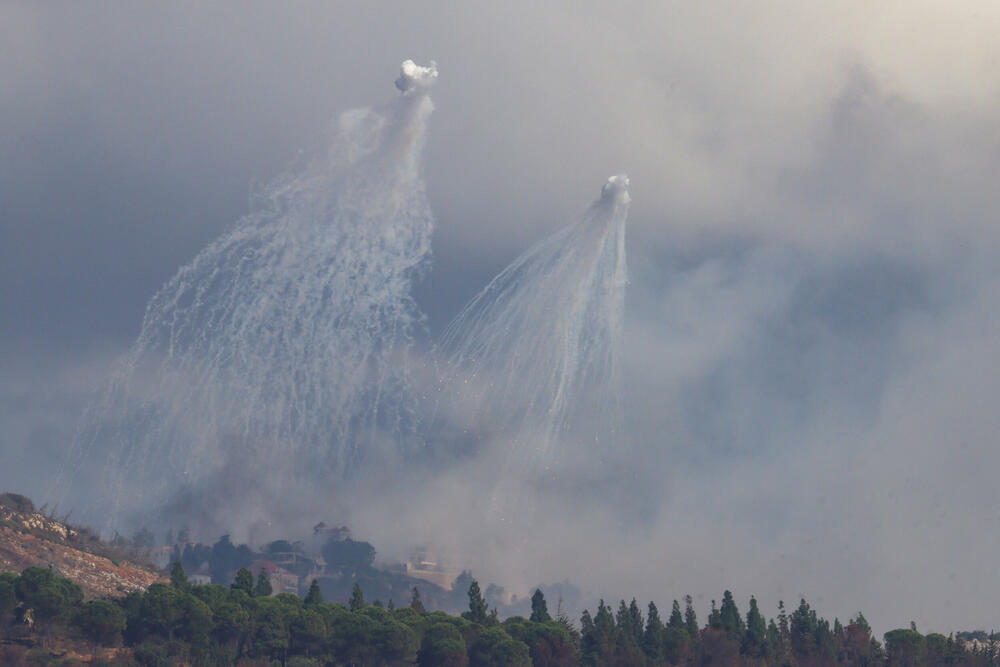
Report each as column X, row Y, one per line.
column 811, row 322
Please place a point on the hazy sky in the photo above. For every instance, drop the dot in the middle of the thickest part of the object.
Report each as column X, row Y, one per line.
column 813, row 323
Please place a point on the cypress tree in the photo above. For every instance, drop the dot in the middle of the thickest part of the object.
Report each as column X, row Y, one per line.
column 803, row 625
column 315, row 595
column 604, row 627
column 729, row 618
column 243, row 582
column 714, row 618
column 178, row 578
column 676, row 620
column 357, row 598
column 416, row 604
column 539, row 610
column 690, row 618
column 773, row 639
column 263, row 588
column 635, row 621
column 784, row 633
column 652, row 638
column 755, row 637
column 477, row 604
column 623, row 623
column 589, row 644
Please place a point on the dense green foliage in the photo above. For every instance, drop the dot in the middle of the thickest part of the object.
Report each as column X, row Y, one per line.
column 242, row 623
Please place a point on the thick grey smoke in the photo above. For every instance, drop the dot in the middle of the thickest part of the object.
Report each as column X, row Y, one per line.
column 810, row 327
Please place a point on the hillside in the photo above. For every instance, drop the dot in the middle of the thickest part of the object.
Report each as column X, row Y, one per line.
column 30, row 538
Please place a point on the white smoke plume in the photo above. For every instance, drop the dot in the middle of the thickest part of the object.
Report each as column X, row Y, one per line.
column 281, row 350
column 534, row 360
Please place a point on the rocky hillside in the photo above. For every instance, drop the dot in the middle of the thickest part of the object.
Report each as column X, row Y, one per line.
column 30, row 538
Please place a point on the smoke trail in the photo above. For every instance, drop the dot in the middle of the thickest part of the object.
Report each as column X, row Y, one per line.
column 533, row 361
column 280, row 350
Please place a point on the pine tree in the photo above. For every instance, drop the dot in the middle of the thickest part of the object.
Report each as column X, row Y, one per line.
column 477, row 604
column 784, row 635
column 391, row 606
column 589, row 641
column 623, row 623
column 415, row 603
column 539, row 610
column 315, row 595
column 263, row 588
column 178, row 578
column 652, row 638
column 755, row 637
column 773, row 640
column 802, row 630
column 563, row 619
column 676, row 620
column 635, row 621
column 243, row 582
column 357, row 598
column 729, row 618
column 714, row 617
column 604, row 626
column 690, row 618
column 861, row 622
column 824, row 641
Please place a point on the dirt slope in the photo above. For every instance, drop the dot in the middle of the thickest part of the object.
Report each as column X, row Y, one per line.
column 29, row 538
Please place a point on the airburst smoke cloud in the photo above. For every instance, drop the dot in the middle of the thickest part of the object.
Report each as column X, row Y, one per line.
column 412, row 75
column 281, row 349
column 534, row 359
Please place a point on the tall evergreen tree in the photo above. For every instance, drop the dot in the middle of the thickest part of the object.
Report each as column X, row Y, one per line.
column 315, row 595
column 357, row 598
column 729, row 618
column 623, row 624
column 263, row 588
column 755, row 637
column 635, row 621
column 676, row 620
column 539, row 610
column 773, row 641
column 714, row 617
column 784, row 646
column 478, row 609
column 824, row 641
column 244, row 581
column 589, row 642
column 178, row 578
column 690, row 618
column 802, row 626
column 652, row 638
column 604, row 625
column 416, row 604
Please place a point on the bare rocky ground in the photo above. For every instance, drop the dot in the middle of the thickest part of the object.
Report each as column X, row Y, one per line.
column 30, row 538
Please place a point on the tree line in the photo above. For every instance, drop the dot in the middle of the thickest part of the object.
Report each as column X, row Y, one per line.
column 242, row 623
